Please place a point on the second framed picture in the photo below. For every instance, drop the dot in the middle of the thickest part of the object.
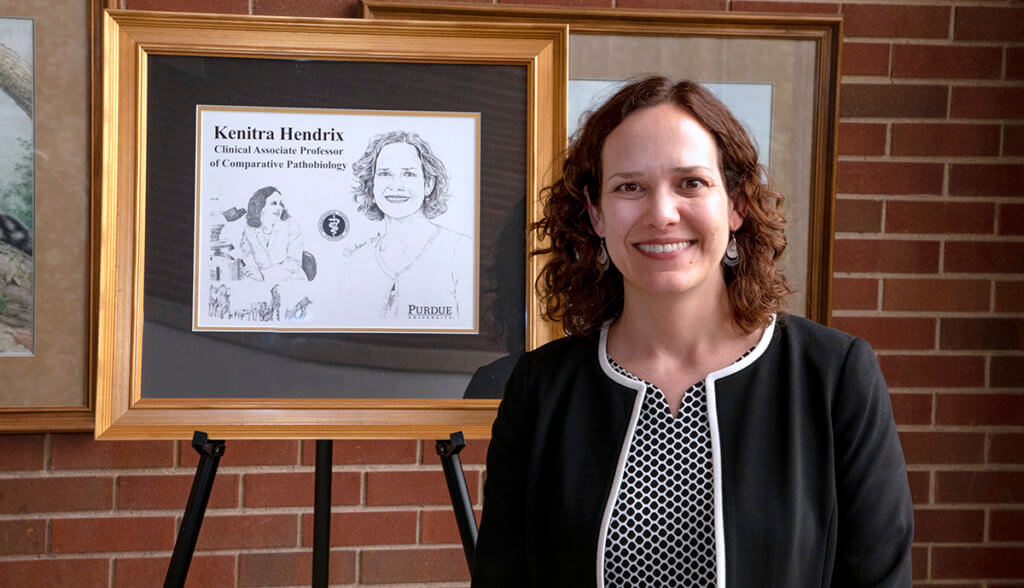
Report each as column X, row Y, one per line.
column 778, row 74
column 318, row 228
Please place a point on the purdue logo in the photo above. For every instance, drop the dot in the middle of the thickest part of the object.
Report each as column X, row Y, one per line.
column 432, row 312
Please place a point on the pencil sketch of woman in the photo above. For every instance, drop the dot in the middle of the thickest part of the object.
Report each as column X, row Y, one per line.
column 412, row 263
column 271, row 243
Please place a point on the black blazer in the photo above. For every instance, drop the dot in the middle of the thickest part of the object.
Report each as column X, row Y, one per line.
column 811, row 486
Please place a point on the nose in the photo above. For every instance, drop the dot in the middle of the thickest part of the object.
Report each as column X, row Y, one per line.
column 662, row 207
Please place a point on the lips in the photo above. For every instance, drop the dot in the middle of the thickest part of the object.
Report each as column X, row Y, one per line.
column 663, row 247
column 396, row 198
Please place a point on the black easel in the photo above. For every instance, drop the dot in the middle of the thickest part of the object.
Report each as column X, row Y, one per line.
column 210, row 453
column 449, row 451
column 322, row 513
column 209, row 457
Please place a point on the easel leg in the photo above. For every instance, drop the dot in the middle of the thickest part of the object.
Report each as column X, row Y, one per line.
column 449, row 450
column 209, row 457
column 322, row 513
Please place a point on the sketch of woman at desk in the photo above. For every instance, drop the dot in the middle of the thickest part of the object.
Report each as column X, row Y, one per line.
column 271, row 243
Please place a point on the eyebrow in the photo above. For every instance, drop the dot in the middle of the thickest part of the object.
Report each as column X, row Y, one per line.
column 629, row 175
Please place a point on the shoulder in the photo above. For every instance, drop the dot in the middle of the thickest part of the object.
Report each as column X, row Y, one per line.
column 557, row 375
column 452, row 239
column 811, row 352
column 449, row 244
column 829, row 353
column 800, row 333
column 561, row 349
column 559, row 358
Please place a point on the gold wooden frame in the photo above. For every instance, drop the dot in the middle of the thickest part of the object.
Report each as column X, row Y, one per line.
column 29, row 374
column 130, row 38
column 824, row 32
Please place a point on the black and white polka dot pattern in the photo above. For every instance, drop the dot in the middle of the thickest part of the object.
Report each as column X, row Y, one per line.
column 662, row 527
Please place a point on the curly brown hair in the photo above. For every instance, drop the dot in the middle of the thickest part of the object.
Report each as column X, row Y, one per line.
column 434, row 203
column 572, row 287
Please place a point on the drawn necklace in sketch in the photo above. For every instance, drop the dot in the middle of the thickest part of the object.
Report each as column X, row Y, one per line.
column 390, row 308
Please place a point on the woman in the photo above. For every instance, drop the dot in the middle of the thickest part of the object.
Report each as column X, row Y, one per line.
column 271, row 243
column 413, row 263
column 686, row 433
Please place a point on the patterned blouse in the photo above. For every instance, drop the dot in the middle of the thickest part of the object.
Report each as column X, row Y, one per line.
column 662, row 527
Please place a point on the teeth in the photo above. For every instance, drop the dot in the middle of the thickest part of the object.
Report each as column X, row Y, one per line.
column 662, row 248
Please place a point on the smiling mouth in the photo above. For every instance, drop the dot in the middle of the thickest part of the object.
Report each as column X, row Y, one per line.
column 663, row 247
column 396, row 198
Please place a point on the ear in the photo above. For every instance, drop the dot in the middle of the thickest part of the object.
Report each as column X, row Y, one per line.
column 428, row 185
column 596, row 220
column 737, row 211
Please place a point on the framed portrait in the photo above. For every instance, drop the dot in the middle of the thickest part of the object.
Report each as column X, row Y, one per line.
column 49, row 61
column 319, row 260
column 317, row 228
column 778, row 74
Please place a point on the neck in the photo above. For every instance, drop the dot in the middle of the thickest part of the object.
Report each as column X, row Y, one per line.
column 412, row 222
column 407, row 233
column 682, row 326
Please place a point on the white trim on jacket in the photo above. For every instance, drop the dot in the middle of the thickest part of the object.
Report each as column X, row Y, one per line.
column 602, row 354
column 716, row 448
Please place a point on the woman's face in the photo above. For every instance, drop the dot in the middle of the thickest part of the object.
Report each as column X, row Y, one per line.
column 663, row 208
column 398, row 183
column 273, row 208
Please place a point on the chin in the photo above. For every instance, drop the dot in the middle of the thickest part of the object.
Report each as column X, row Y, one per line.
column 678, row 283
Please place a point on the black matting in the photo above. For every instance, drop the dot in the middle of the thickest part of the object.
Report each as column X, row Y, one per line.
column 178, row 363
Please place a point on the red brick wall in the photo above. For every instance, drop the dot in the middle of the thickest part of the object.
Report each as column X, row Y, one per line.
column 929, row 267
column 77, row 512
column 929, row 260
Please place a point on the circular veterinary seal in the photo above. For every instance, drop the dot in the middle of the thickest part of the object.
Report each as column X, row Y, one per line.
column 334, row 225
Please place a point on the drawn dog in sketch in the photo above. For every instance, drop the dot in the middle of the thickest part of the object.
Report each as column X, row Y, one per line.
column 271, row 311
column 220, row 301
column 298, row 312
column 275, row 303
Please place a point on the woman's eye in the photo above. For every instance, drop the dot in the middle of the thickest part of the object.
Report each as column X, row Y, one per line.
column 628, row 187
column 694, row 183
column 383, row 173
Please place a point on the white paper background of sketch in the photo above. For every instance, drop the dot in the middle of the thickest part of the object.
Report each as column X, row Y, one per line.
column 750, row 103
column 16, row 202
column 331, row 301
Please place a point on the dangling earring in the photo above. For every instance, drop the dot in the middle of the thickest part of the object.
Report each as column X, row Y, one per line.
column 602, row 258
column 732, row 253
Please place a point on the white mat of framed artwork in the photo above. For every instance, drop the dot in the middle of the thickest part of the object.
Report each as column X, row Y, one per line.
column 289, row 235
